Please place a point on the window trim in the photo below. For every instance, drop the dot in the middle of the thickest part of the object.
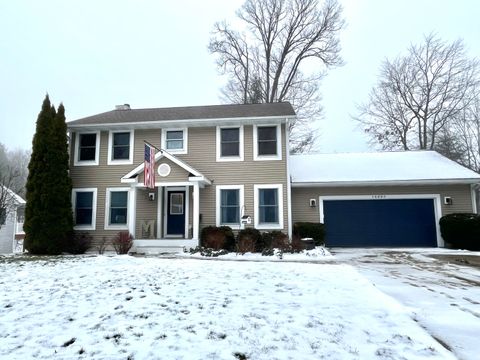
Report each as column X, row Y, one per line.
column 256, row 204
column 240, row 156
column 93, row 225
column 184, row 150
column 108, row 193
column 218, row 214
column 256, row 156
column 128, row 161
column 76, row 161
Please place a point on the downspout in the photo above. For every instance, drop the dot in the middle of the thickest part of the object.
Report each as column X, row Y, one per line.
column 289, row 185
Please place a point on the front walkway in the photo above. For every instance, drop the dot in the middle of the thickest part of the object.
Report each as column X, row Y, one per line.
column 444, row 295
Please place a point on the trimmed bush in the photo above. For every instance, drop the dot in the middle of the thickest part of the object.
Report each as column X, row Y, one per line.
column 316, row 231
column 122, row 242
column 218, row 238
column 79, row 243
column 461, row 230
column 272, row 239
column 247, row 240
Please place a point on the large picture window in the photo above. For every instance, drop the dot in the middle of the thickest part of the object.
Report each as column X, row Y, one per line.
column 229, row 205
column 84, row 203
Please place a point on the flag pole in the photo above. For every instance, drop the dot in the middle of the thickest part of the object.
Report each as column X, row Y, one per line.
column 153, row 146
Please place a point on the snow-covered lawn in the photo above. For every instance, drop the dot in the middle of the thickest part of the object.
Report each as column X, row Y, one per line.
column 443, row 297
column 123, row 307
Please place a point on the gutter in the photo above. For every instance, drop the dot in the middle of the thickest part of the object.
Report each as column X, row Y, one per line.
column 300, row 184
column 180, row 122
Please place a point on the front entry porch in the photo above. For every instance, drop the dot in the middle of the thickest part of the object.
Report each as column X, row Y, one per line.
column 167, row 218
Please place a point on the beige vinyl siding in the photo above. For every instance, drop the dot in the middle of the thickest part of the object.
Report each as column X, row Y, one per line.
column 146, row 210
column 201, row 156
column 177, row 174
column 301, row 210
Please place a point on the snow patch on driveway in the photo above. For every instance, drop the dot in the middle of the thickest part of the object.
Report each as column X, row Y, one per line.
column 444, row 297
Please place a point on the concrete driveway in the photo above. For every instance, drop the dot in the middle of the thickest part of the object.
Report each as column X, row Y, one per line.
column 441, row 288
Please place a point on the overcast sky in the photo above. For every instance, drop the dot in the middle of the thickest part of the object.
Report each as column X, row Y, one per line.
column 92, row 55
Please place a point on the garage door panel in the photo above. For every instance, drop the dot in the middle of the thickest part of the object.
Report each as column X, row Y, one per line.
column 385, row 222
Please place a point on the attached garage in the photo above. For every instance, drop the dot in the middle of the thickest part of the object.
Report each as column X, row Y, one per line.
column 380, row 222
column 389, row 199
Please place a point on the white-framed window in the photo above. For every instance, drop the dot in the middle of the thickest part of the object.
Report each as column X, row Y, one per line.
column 84, row 203
column 175, row 141
column 116, row 208
column 267, row 142
column 229, row 205
column 268, row 206
column 229, row 143
column 87, row 148
column 120, row 147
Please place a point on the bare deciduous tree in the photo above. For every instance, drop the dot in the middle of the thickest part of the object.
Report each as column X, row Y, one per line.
column 8, row 177
column 418, row 94
column 267, row 63
column 460, row 140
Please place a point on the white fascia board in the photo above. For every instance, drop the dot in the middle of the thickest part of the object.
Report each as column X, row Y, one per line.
column 186, row 122
column 200, row 179
column 385, row 183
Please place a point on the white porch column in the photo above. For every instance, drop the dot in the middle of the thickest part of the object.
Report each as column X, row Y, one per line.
column 196, row 211
column 132, row 209
column 159, row 211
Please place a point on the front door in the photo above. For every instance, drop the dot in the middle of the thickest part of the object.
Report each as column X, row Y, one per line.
column 176, row 213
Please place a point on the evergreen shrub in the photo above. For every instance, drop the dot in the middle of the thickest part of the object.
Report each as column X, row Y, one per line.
column 461, row 230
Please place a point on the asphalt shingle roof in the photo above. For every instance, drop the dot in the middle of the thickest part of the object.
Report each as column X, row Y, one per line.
column 187, row 113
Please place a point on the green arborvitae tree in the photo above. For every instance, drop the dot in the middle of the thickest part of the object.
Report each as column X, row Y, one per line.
column 48, row 213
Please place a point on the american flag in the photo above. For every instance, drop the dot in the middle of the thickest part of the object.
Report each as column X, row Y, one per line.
column 149, row 169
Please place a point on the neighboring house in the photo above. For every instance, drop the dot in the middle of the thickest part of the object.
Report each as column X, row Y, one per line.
column 218, row 164
column 11, row 224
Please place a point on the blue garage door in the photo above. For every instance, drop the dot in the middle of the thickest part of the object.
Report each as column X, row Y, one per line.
column 359, row 223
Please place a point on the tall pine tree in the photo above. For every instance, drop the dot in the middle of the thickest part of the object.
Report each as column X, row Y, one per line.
column 48, row 213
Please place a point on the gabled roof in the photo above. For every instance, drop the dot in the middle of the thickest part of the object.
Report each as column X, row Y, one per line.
column 234, row 111
column 196, row 175
column 422, row 167
column 15, row 197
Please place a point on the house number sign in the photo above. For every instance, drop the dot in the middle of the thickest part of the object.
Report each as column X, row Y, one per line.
column 379, row 196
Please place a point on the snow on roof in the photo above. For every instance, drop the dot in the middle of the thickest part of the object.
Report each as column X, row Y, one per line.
column 17, row 198
column 382, row 167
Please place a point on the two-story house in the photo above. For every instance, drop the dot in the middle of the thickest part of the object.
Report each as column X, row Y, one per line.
column 217, row 164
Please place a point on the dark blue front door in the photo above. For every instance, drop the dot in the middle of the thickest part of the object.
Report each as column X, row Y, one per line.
column 389, row 222
column 176, row 213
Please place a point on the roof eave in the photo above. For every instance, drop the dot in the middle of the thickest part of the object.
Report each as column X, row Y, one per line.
column 183, row 122
column 385, row 182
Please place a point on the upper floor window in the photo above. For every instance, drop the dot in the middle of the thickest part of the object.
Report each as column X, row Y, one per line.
column 230, row 143
column 120, row 147
column 84, row 203
column 268, row 204
column 267, row 142
column 175, row 140
column 87, row 148
column 116, row 208
column 229, row 205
